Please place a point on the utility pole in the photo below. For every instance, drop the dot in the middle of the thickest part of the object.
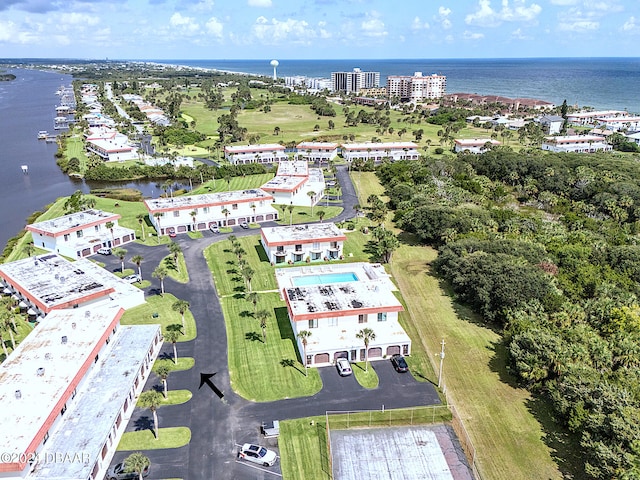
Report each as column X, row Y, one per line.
column 441, row 362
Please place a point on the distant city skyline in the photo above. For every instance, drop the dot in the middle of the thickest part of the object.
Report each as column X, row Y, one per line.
column 322, row 29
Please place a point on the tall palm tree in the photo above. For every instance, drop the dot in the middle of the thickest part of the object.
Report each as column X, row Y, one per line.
column 137, row 259
column 175, row 250
column 321, row 214
column 110, row 226
column 226, row 213
column 157, row 216
column 357, row 208
column 193, row 214
column 160, row 273
column 29, row 248
column 283, row 207
column 263, row 316
column 9, row 324
column 172, row 333
column 136, row 463
column 290, row 208
column 181, row 306
column 253, row 207
column 163, row 370
column 312, row 197
column 4, row 346
column 120, row 253
column 304, row 335
column 248, row 273
column 366, row 335
column 151, row 400
column 253, row 298
column 141, row 218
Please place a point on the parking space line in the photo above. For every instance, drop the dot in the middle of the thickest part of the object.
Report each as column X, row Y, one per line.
column 258, row 468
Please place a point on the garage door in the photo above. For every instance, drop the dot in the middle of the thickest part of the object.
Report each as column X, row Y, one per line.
column 321, row 358
column 375, row 352
column 338, row 355
column 393, row 350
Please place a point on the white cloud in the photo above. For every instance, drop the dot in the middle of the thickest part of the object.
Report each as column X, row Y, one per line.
column 62, row 40
column 631, row 26
column 578, row 26
column 186, row 25
column 372, row 26
column 214, row 27
column 564, row 2
column 204, row 6
column 444, row 13
column 259, row 3
column 76, row 18
column 486, row 16
column 273, row 32
column 472, row 35
column 517, row 34
column 418, row 24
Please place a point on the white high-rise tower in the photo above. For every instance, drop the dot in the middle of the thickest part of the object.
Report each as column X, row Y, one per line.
column 274, row 64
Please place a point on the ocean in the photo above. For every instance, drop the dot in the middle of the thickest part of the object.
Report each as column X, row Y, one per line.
column 601, row 83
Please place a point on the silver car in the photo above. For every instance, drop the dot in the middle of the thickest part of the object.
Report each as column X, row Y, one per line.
column 258, row 454
column 344, row 367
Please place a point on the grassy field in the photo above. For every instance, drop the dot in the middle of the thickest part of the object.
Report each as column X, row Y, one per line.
column 367, row 378
column 143, row 315
column 173, row 437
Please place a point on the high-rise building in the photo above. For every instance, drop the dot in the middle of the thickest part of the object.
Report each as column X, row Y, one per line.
column 353, row 82
column 417, row 87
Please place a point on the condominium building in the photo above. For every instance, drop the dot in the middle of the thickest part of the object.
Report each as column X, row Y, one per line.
column 354, row 81
column 300, row 243
column 474, row 145
column 317, row 151
column 334, row 302
column 416, row 88
column 172, row 215
column 68, row 391
column 296, row 184
column 576, row 144
column 265, row 153
column 110, row 145
column 590, row 118
column 80, row 234
column 379, row 151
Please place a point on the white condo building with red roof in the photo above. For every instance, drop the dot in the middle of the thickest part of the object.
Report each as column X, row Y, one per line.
column 293, row 183
column 379, row 151
column 300, row 243
column 264, row 153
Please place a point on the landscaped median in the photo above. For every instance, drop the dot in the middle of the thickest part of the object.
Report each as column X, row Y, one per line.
column 158, row 309
column 172, row 437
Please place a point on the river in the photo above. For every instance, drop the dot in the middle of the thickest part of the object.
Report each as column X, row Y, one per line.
column 27, row 105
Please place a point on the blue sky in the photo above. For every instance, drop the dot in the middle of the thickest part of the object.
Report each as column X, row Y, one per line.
column 318, row 29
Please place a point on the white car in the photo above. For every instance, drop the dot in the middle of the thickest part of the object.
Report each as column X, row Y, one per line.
column 104, row 251
column 257, row 454
column 132, row 278
column 344, row 367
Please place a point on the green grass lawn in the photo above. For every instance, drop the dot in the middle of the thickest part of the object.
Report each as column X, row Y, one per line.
column 304, row 452
column 368, row 378
column 304, row 214
column 184, row 363
column 176, row 397
column 162, row 305
column 174, row 437
column 236, row 183
column 181, row 274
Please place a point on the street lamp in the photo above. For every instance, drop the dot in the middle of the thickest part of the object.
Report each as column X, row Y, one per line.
column 441, row 362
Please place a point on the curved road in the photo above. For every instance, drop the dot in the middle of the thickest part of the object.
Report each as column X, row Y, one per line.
column 219, row 425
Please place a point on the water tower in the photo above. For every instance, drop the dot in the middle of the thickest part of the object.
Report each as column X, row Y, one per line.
column 274, row 64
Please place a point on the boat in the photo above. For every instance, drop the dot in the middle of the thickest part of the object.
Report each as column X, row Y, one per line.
column 42, row 135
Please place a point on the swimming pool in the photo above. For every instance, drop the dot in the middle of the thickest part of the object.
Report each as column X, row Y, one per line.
column 324, row 279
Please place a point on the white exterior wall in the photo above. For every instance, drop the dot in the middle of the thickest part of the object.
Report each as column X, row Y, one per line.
column 255, row 156
column 317, row 154
column 579, row 145
column 303, row 249
column 336, row 337
column 378, row 151
column 299, row 197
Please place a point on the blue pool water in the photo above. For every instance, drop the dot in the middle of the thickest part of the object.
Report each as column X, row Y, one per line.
column 324, row 278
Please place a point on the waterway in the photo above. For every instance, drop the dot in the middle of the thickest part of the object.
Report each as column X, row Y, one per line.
column 27, row 105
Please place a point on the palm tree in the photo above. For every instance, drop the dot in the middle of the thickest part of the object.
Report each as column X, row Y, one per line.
column 263, row 316
column 110, row 226
column 227, row 179
column 303, row 335
column 226, row 213
column 239, row 251
column 283, row 207
column 163, row 370
column 137, row 259
column 175, row 250
column 136, row 463
column 120, row 253
column 193, row 214
column 151, row 400
column 172, row 334
column 357, row 208
column 181, row 306
column 157, row 216
column 366, row 335
column 141, row 218
column 253, row 207
column 253, row 298
column 312, row 196
column 29, row 248
column 290, row 208
column 321, row 214
column 4, row 346
column 248, row 274
column 160, row 273
column 9, row 323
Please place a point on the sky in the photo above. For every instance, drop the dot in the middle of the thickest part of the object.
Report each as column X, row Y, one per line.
column 318, row 29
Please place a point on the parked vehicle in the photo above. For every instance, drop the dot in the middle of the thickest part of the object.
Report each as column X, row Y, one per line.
column 172, row 232
column 104, row 251
column 117, row 473
column 344, row 367
column 244, row 225
column 214, row 228
column 399, row 363
column 132, row 278
column 257, row 454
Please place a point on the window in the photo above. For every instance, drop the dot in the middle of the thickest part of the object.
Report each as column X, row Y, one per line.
column 313, row 323
column 316, row 245
column 46, row 437
column 176, row 213
column 382, row 316
column 234, row 206
column 95, row 360
column 362, row 318
column 97, row 228
column 333, row 322
column 334, row 244
column 64, row 409
column 280, row 248
column 79, row 234
column 66, row 237
column 299, row 248
column 205, row 210
column 315, row 256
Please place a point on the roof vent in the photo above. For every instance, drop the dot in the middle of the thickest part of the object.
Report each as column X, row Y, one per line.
column 87, row 314
column 73, row 325
column 18, row 394
column 48, row 356
column 64, row 340
column 40, row 372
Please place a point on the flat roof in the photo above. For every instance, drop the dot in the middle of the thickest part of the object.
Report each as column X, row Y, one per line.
column 51, row 281
column 296, row 168
column 111, row 146
column 45, row 368
column 263, row 147
column 312, row 145
column 378, row 146
column 339, row 299
column 574, row 139
column 87, row 424
column 205, row 200
column 286, row 183
column 317, row 232
column 123, row 292
column 72, row 222
column 475, row 142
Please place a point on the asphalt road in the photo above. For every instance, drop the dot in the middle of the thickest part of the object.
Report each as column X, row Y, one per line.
column 219, row 425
